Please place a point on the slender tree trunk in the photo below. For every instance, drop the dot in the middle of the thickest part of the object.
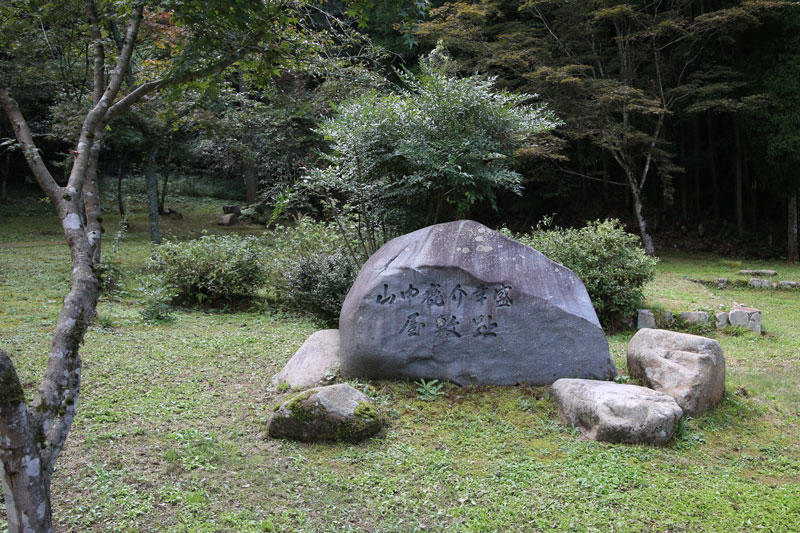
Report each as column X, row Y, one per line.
column 152, row 195
column 712, row 166
column 792, row 250
column 120, row 199
column 739, row 199
column 6, row 175
column 250, row 183
column 697, row 197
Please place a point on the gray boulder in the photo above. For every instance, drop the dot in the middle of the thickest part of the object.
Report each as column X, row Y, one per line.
column 460, row 302
column 646, row 319
column 789, row 284
column 689, row 368
column 695, row 317
column 336, row 412
column 761, row 283
column 612, row 412
column 721, row 319
column 315, row 361
column 746, row 317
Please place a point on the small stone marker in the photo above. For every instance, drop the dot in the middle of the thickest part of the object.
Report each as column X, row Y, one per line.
column 789, row 284
column 336, row 412
column 761, row 283
column 722, row 282
column 722, row 319
column 313, row 363
column 669, row 318
column 746, row 317
column 460, row 302
column 232, row 209
column 228, row 220
column 758, row 273
column 612, row 412
column 646, row 319
column 689, row 368
column 695, row 317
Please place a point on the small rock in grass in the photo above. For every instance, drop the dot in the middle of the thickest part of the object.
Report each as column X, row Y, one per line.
column 608, row 411
column 313, row 363
column 646, row 319
column 746, row 317
column 333, row 413
column 761, row 283
column 722, row 319
column 689, row 368
column 789, row 284
column 722, row 283
column 695, row 317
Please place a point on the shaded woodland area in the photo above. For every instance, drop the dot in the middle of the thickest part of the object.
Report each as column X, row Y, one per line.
column 681, row 118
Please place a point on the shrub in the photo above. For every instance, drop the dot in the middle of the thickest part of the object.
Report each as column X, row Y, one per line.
column 610, row 261
column 219, row 268
column 319, row 283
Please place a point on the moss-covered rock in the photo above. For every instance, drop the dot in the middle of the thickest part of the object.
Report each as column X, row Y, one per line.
column 337, row 412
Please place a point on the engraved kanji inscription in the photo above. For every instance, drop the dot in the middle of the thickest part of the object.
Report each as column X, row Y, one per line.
column 385, row 298
column 410, row 293
column 433, row 295
column 502, row 297
column 446, row 327
column 412, row 327
column 483, row 326
column 457, row 295
column 480, row 293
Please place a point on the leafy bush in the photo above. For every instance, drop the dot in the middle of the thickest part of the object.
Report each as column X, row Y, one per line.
column 311, row 265
column 219, row 268
column 319, row 283
column 610, row 261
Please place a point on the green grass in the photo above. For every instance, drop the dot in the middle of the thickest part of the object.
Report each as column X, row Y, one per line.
column 170, row 432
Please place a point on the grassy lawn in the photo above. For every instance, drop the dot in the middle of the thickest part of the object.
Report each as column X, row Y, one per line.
column 170, row 432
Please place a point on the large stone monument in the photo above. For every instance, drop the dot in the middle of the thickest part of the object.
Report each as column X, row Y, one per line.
column 461, row 302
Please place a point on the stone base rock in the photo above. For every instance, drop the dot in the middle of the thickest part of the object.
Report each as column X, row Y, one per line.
column 762, row 283
column 746, row 317
column 315, row 361
column 689, row 368
column 721, row 319
column 646, row 319
column 789, row 284
column 695, row 317
column 336, row 412
column 612, row 412
column 463, row 303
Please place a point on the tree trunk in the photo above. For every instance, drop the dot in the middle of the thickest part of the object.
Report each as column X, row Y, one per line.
column 739, row 200
column 647, row 241
column 120, row 200
column 792, row 251
column 152, row 196
column 250, row 183
column 713, row 169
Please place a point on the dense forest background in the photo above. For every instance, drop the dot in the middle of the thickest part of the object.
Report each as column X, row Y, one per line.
column 682, row 118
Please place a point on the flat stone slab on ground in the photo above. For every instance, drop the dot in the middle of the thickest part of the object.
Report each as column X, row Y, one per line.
column 612, row 412
column 460, row 302
column 336, row 412
column 789, row 284
column 746, row 317
column 228, row 220
column 315, row 361
column 758, row 273
column 689, row 368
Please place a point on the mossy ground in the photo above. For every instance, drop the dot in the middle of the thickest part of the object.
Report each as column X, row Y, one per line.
column 169, row 431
